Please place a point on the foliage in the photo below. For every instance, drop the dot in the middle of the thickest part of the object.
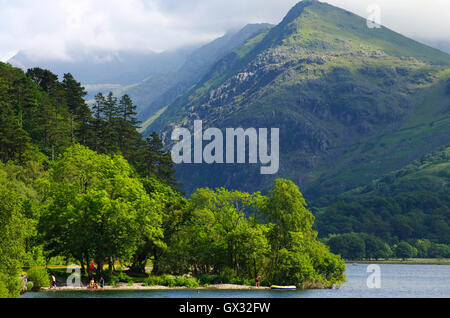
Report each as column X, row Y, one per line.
column 15, row 229
column 224, row 240
column 171, row 281
column 404, row 250
column 39, row 276
column 96, row 208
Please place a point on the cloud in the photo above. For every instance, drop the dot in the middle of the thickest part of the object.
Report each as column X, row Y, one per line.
column 56, row 29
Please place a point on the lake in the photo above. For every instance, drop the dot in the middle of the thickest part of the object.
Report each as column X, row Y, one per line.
column 397, row 281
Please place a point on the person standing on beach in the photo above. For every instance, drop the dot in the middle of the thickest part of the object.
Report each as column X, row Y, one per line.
column 258, row 281
column 53, row 282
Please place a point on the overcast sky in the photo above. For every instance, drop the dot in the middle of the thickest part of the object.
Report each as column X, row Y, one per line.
column 55, row 28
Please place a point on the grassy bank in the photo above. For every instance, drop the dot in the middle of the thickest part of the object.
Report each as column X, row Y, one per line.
column 415, row 261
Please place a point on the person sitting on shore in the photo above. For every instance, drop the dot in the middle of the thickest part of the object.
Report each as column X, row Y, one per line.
column 92, row 283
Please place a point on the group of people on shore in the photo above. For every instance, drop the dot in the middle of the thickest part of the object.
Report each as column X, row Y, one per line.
column 93, row 283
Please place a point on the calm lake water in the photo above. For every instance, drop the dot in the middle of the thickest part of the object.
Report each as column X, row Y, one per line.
column 397, row 281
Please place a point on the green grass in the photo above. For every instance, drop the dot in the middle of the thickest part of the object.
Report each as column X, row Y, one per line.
column 411, row 261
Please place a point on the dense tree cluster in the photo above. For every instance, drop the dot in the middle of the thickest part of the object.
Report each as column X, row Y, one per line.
column 40, row 114
column 232, row 234
column 80, row 184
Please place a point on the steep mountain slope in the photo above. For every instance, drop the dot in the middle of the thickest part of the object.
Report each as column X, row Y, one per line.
column 352, row 103
column 408, row 204
column 159, row 90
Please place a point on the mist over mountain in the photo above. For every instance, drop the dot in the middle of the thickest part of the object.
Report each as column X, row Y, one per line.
column 159, row 90
column 104, row 70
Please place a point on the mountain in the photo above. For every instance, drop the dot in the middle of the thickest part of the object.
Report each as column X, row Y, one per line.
column 159, row 90
column 105, row 70
column 352, row 103
column 407, row 204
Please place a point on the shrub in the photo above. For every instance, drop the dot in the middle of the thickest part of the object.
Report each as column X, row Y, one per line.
column 39, row 277
column 191, row 282
column 171, row 281
column 30, row 286
column 152, row 281
column 168, row 280
column 180, row 281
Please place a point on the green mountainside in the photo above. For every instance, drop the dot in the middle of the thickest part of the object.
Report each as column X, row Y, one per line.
column 408, row 204
column 352, row 103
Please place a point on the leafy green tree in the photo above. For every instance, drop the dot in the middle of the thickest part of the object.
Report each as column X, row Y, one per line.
column 172, row 219
column 218, row 221
column 15, row 228
column 296, row 255
column 375, row 247
column 439, row 251
column 349, row 245
column 286, row 208
column 96, row 208
column 404, row 250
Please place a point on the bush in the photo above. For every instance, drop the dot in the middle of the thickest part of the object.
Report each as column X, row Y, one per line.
column 180, row 281
column 171, row 281
column 168, row 280
column 30, row 286
column 39, row 277
column 183, row 281
column 10, row 285
column 191, row 282
column 152, row 281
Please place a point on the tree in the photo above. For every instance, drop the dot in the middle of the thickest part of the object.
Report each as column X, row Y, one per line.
column 15, row 228
column 296, row 255
column 349, row 245
column 80, row 113
column 404, row 251
column 286, row 209
column 44, row 78
column 99, row 123
column 97, row 209
column 154, row 161
column 127, row 128
column 172, row 220
column 14, row 140
column 375, row 247
column 221, row 237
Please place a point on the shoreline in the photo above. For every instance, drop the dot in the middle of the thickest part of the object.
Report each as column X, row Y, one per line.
column 140, row 287
column 411, row 261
